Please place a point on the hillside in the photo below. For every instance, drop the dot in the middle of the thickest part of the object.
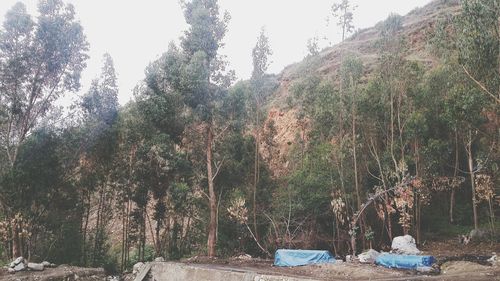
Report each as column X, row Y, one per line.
column 416, row 26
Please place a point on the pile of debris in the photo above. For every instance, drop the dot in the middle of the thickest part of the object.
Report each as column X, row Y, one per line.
column 404, row 255
column 21, row 264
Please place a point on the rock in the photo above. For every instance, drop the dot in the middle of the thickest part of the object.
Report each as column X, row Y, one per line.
column 244, row 257
column 11, row 270
column 494, row 259
column 425, row 269
column 461, row 267
column 137, row 267
column 159, row 259
column 478, row 234
column 16, row 262
column 368, row 256
column 20, row 267
column 404, row 245
column 47, row 264
column 35, row 266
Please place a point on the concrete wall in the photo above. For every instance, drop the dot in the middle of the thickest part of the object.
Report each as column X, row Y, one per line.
column 169, row 271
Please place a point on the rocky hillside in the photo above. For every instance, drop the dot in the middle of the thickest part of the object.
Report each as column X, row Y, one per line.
column 416, row 27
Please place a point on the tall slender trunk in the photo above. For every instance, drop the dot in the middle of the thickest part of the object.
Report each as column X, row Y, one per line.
column 387, row 214
column 354, row 156
column 395, row 162
column 16, row 245
column 98, row 226
column 212, row 227
column 452, row 195
column 256, row 167
column 127, row 229
column 85, row 227
column 122, row 260
column 470, row 160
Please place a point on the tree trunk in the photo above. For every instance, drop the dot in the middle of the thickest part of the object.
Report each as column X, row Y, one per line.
column 256, row 169
column 470, row 161
column 452, row 195
column 16, row 245
column 98, row 226
column 212, row 227
column 85, row 227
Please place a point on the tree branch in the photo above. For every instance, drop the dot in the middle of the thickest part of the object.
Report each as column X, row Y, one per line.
column 481, row 85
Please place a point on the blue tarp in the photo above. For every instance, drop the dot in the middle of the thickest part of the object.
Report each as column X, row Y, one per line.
column 301, row 257
column 404, row 261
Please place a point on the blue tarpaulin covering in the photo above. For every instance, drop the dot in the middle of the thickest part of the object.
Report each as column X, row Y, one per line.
column 404, row 261
column 301, row 257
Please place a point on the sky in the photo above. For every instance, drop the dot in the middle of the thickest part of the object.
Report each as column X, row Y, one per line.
column 136, row 33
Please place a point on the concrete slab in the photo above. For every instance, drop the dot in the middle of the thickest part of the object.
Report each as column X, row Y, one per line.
column 181, row 272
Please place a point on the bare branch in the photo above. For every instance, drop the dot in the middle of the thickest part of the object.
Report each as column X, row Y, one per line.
column 481, row 85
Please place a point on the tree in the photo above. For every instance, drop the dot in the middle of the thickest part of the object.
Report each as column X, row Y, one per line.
column 207, row 83
column 343, row 11
column 100, row 111
column 478, row 44
column 312, row 46
column 260, row 56
column 39, row 61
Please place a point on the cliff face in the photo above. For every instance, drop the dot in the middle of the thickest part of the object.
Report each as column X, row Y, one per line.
column 287, row 130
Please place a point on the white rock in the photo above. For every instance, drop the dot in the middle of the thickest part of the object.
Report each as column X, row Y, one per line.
column 46, row 264
column 20, row 267
column 160, row 259
column 16, row 262
column 11, row 270
column 405, row 245
column 137, row 267
column 478, row 234
column 425, row 269
column 493, row 259
column 35, row 266
column 368, row 256
column 244, row 257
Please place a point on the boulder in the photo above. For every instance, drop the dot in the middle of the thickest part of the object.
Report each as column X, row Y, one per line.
column 159, row 259
column 137, row 267
column 16, row 262
column 478, row 234
column 35, row 266
column 404, row 245
column 11, row 270
column 369, row 256
column 20, row 267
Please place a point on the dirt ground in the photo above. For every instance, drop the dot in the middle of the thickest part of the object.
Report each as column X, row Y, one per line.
column 457, row 262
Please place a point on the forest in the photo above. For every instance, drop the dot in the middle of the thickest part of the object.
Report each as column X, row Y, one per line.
column 402, row 142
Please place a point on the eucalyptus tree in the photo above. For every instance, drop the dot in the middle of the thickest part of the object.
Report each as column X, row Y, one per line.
column 205, row 86
column 99, row 108
column 40, row 60
column 260, row 58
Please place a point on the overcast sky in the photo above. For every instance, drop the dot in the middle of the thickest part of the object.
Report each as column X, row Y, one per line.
column 136, row 32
